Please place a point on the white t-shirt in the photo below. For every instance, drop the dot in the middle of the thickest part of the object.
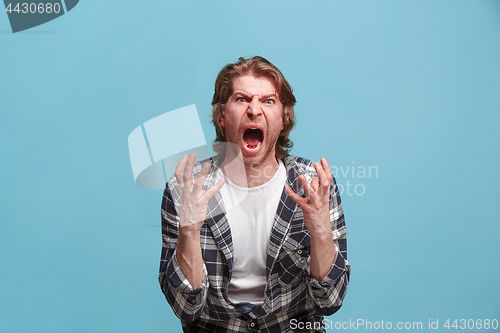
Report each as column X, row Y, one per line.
column 250, row 213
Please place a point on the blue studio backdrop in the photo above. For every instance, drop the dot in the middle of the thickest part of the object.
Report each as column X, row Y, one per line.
column 401, row 97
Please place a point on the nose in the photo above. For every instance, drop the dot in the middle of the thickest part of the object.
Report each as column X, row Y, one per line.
column 254, row 109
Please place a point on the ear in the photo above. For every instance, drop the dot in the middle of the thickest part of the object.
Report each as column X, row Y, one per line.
column 221, row 122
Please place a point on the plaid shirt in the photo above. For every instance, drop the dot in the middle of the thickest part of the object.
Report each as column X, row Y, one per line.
column 291, row 297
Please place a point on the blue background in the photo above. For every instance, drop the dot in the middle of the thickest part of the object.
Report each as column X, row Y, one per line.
column 411, row 87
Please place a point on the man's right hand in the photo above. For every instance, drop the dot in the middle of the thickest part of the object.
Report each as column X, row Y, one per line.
column 192, row 214
column 193, row 200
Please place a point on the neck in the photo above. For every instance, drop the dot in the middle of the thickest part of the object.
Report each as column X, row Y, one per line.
column 249, row 175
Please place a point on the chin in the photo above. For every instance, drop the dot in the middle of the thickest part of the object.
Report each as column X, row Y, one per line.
column 258, row 158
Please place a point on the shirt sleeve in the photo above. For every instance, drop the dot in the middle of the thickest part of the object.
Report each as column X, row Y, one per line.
column 186, row 302
column 329, row 293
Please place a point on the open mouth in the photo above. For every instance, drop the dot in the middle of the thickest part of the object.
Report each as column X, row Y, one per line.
column 253, row 137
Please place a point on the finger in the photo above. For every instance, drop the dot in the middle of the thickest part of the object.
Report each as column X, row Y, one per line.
column 305, row 184
column 315, row 184
column 214, row 189
column 198, row 183
column 179, row 170
column 326, row 167
column 188, row 172
column 321, row 173
column 324, row 175
column 294, row 196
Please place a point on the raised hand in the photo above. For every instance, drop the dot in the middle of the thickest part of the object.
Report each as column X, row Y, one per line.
column 193, row 200
column 315, row 206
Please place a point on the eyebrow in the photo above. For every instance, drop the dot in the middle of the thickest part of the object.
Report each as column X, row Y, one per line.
column 244, row 93
column 270, row 95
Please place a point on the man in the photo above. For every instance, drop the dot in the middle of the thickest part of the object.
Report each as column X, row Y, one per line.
column 253, row 239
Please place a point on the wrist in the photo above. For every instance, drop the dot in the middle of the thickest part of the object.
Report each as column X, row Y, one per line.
column 319, row 226
column 191, row 230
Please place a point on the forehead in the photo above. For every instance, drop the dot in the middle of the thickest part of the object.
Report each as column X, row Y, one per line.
column 255, row 85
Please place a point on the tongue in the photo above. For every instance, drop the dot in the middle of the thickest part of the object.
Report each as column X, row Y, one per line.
column 252, row 139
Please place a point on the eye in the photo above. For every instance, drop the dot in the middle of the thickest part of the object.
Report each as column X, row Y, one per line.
column 269, row 101
column 241, row 99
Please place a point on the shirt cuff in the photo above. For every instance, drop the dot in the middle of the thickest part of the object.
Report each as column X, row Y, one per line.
column 337, row 269
column 180, row 282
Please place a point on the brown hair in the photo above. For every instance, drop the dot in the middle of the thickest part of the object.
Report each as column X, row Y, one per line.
column 257, row 66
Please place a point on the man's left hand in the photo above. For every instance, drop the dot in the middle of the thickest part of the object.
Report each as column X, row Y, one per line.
column 315, row 206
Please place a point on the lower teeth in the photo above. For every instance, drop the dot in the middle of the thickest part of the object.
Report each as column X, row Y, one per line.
column 253, row 147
